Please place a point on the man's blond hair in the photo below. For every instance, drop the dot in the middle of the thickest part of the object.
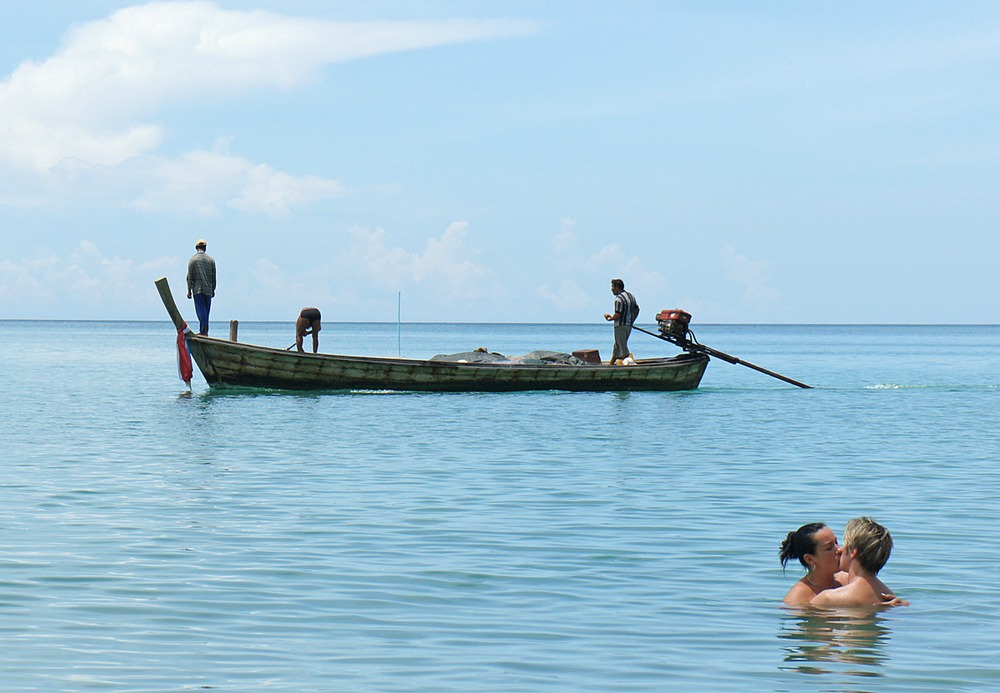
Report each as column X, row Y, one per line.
column 871, row 540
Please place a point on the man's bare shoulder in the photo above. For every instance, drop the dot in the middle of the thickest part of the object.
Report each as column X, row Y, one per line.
column 856, row 593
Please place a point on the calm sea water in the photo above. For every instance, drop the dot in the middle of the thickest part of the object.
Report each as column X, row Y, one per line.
column 158, row 540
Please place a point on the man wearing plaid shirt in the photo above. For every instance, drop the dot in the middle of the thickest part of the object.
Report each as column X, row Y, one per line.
column 201, row 284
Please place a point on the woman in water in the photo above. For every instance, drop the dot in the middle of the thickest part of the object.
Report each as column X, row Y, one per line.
column 815, row 546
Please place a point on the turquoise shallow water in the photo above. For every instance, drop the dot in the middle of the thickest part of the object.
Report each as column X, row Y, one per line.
column 156, row 540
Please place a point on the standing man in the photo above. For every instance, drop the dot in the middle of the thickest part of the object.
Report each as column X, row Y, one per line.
column 201, row 284
column 626, row 311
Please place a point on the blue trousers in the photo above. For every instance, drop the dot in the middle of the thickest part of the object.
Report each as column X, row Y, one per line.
column 202, row 306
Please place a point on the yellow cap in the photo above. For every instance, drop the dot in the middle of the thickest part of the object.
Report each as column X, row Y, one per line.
column 201, row 242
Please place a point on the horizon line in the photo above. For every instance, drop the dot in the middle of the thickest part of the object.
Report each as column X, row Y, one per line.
column 428, row 322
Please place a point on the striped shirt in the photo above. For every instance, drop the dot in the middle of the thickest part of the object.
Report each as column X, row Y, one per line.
column 201, row 274
column 626, row 307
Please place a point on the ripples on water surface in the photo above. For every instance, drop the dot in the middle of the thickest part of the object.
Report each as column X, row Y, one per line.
column 238, row 540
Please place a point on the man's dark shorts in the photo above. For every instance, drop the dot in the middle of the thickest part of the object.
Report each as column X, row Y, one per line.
column 313, row 316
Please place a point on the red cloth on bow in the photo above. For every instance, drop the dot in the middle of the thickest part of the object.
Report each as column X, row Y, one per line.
column 184, row 368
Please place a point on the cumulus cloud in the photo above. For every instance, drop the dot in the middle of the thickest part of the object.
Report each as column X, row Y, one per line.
column 83, row 283
column 204, row 181
column 586, row 272
column 95, row 102
column 752, row 275
column 566, row 239
column 445, row 261
column 566, row 298
column 355, row 278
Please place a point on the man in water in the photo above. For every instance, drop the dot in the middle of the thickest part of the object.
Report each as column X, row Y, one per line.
column 626, row 311
column 308, row 322
column 867, row 546
column 201, row 283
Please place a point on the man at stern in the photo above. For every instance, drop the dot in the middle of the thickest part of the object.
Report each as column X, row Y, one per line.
column 626, row 311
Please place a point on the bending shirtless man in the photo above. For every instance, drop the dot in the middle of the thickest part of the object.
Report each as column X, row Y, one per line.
column 308, row 323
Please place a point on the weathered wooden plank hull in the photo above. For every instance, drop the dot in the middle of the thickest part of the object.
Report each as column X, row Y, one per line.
column 231, row 363
column 225, row 362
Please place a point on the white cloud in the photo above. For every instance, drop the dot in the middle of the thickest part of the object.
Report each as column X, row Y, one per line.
column 93, row 104
column 373, row 259
column 566, row 240
column 584, row 290
column 752, row 275
column 566, row 298
column 20, row 280
column 610, row 255
column 448, row 256
column 443, row 279
column 275, row 192
column 445, row 262
column 202, row 181
column 85, row 279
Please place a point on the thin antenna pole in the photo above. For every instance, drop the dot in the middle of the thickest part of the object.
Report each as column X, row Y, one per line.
column 399, row 319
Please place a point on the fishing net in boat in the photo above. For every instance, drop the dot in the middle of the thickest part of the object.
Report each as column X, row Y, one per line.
column 538, row 357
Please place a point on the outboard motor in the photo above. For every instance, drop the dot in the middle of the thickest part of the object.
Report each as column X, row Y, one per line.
column 674, row 328
column 674, row 325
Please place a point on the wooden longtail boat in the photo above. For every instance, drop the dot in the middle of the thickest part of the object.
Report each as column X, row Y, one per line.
column 225, row 362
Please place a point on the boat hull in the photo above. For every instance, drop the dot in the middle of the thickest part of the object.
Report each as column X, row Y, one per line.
column 226, row 362
column 229, row 363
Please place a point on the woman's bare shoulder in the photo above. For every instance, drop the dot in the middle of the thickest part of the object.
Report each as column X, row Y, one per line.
column 799, row 594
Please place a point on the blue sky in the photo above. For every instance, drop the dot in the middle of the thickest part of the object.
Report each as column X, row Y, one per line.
column 790, row 162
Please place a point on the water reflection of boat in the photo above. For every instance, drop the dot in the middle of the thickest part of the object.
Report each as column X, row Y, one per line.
column 841, row 641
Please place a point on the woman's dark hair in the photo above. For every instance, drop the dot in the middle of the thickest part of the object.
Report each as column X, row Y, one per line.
column 800, row 542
